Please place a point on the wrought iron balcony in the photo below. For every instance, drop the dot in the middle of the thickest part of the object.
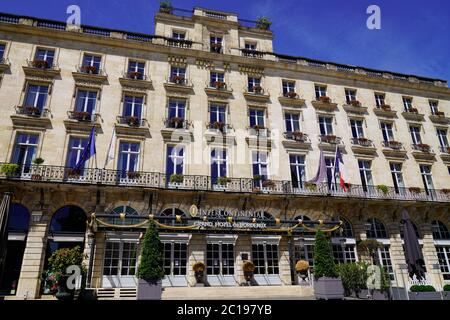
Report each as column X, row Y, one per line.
column 219, row 126
column 216, row 47
column 91, row 70
column 330, row 139
column 176, row 123
column 42, row 64
column 31, row 111
column 252, row 54
column 297, row 136
column 131, row 121
column 257, row 185
column 179, row 43
column 363, row 142
column 82, row 116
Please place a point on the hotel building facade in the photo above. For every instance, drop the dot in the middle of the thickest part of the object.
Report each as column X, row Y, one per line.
column 204, row 118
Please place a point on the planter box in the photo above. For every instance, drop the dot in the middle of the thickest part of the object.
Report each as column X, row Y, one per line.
column 424, row 295
column 149, row 291
column 376, row 295
column 446, row 295
column 328, row 288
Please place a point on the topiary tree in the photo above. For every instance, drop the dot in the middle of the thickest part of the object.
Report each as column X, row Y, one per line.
column 324, row 265
column 151, row 266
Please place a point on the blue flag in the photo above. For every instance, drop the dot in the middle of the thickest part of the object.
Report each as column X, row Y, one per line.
column 88, row 151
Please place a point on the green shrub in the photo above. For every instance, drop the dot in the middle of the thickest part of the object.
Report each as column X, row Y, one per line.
column 151, row 265
column 176, row 178
column 354, row 277
column 65, row 257
column 223, row 181
column 383, row 188
column 38, row 161
column 263, row 23
column 422, row 288
column 324, row 265
column 447, row 287
column 9, row 169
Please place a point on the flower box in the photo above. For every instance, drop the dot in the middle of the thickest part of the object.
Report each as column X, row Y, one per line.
column 268, row 184
column 414, row 190
column 257, row 89
column 89, row 69
column 386, row 107
column 32, row 110
column 177, row 79
column 412, row 110
column 423, row 147
column 394, row 144
column 219, row 84
column 132, row 121
column 291, row 94
column 82, row 115
column 445, row 191
column 135, row 75
column 311, row 186
column 325, row 99
column 330, row 139
column 223, row 181
column 133, row 175
column 440, row 114
column 355, row 103
column 41, row 64
column 73, row 173
column 176, row 178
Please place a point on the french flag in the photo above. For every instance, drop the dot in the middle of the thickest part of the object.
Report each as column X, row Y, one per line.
column 340, row 170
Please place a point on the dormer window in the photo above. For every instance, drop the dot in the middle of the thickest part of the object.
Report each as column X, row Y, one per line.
column 250, row 46
column 216, row 44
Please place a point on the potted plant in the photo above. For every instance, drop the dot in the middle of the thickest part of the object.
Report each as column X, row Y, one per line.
column 423, row 292
column 40, row 64
column 257, row 89
column 222, row 181
column 150, row 270
column 354, row 276
column 414, row 190
column 176, row 122
column 10, row 169
column 176, row 178
column 33, row 111
column 383, row 188
column 58, row 263
column 394, row 144
column 292, row 94
column 165, row 7
column 355, row 103
column 249, row 268
column 327, row 283
column 325, row 99
column 38, row 161
column 73, row 173
column 199, row 273
column 132, row 120
column 268, row 184
column 423, row 147
column 263, row 23
column 177, row 79
column 330, row 138
column 412, row 110
column 218, row 125
column 445, row 191
column 136, row 75
column 133, row 175
column 446, row 292
column 440, row 114
column 369, row 247
column 386, row 107
column 219, row 84
column 311, row 186
column 82, row 115
column 89, row 69
column 299, row 136
column 302, row 267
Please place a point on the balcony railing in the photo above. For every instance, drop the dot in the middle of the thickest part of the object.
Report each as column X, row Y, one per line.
column 219, row 85
column 179, row 43
column 135, row 75
column 42, row 64
column 176, row 123
column 58, row 174
column 131, row 121
column 31, row 111
column 330, row 139
column 259, row 131
column 395, row 145
column 422, row 147
column 216, row 47
column 252, row 53
column 82, row 116
column 257, row 90
column 220, row 126
column 445, row 149
column 363, row 142
column 297, row 136
column 91, row 70
column 179, row 80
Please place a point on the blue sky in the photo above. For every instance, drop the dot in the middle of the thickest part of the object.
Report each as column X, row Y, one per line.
column 414, row 35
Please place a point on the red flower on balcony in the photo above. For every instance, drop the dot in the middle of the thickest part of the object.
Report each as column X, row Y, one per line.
column 394, row 144
column 219, row 84
column 89, row 69
column 292, row 94
column 257, row 89
column 135, row 75
column 412, row 110
column 355, row 103
column 177, row 79
column 31, row 110
column 82, row 115
column 325, row 99
column 423, row 147
column 268, row 184
column 386, row 107
column 132, row 121
column 41, row 64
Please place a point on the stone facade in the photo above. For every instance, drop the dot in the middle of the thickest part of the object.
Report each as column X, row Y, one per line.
column 46, row 188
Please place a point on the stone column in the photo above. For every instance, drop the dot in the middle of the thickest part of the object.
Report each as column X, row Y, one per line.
column 284, row 262
column 197, row 250
column 33, row 257
column 243, row 247
column 430, row 256
column 397, row 255
column 97, row 272
column 359, row 229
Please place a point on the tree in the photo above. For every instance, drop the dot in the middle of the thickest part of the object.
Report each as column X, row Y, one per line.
column 151, row 266
column 324, row 265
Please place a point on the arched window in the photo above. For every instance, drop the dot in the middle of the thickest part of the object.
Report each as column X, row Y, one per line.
column 68, row 219
column 19, row 218
column 268, row 218
column 377, row 229
column 303, row 218
column 440, row 231
column 128, row 211
column 416, row 230
column 346, row 231
column 172, row 212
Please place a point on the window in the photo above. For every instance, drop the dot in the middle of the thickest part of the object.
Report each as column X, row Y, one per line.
column 415, row 134
column 91, row 61
column 2, row 51
column 298, row 175
column 397, row 177
column 36, row 96
column 218, row 164
column 357, row 128
column 407, row 103
column 292, row 122
column 344, row 253
column 86, row 101
column 346, row 231
column 120, row 258
column 217, row 115
column 172, row 213
column 250, row 46
column 175, row 161
column 132, row 106
column 440, row 231
column 377, row 229
column 384, row 257
column 253, row 82
column 216, row 78
column 380, row 99
column 136, row 69
column 388, row 133
column 350, row 95
column 177, row 74
column 443, row 253
column 130, row 212
column 442, row 136
column 256, row 117
column 220, row 259
column 175, row 258
column 321, row 91
column 177, row 114
column 216, row 44
column 288, row 86
column 305, row 252
column 76, row 147
column 416, row 231
column 45, row 55
column 365, row 173
column 433, row 106
column 259, row 165
column 427, row 178
column 25, row 150
column 265, row 258
column 129, row 156
column 178, row 35
column 329, row 164
column 326, row 125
